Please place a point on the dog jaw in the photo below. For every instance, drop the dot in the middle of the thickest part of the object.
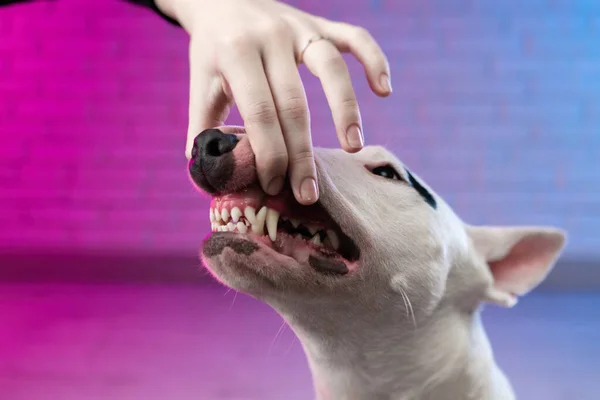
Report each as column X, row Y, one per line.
column 280, row 262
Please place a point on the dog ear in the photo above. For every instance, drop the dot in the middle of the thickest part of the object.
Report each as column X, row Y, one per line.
column 519, row 258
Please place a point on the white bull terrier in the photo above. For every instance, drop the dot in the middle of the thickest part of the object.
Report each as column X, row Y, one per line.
column 380, row 280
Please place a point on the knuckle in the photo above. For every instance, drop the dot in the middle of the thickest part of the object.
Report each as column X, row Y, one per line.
column 275, row 27
column 294, row 107
column 335, row 61
column 237, row 42
column 350, row 104
column 261, row 112
column 361, row 34
column 348, row 112
column 302, row 157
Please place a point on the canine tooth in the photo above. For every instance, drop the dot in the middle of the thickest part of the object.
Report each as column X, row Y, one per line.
column 217, row 215
column 211, row 215
column 333, row 238
column 250, row 213
column 259, row 222
column 225, row 214
column 236, row 213
column 295, row 222
column 272, row 220
column 316, row 240
column 241, row 227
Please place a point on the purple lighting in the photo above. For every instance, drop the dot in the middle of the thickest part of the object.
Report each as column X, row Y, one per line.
column 496, row 105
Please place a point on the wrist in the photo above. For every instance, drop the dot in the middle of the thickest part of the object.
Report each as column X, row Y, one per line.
column 184, row 11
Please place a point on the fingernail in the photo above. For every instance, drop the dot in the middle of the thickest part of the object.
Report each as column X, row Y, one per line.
column 274, row 187
column 308, row 190
column 385, row 82
column 354, row 137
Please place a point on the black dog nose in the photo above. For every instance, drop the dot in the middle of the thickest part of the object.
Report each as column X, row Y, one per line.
column 212, row 163
column 213, row 143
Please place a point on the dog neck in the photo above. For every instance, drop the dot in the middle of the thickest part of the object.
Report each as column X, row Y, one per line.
column 448, row 357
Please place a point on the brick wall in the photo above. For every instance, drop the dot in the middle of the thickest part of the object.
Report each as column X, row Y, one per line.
column 496, row 105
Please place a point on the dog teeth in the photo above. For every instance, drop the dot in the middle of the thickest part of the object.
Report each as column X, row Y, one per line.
column 316, row 240
column 312, row 229
column 236, row 213
column 244, row 220
column 225, row 215
column 241, row 227
column 259, row 223
column 272, row 220
column 250, row 214
column 333, row 238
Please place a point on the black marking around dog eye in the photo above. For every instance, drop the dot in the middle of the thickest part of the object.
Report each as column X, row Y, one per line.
column 327, row 267
column 421, row 190
column 388, row 172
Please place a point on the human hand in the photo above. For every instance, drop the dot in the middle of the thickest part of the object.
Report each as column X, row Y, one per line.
column 249, row 51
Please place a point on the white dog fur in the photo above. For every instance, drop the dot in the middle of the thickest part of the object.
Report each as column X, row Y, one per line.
column 405, row 324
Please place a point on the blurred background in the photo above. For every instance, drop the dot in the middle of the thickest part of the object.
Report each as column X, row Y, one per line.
column 496, row 105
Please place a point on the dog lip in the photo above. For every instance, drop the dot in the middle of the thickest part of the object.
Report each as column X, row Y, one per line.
column 215, row 245
column 328, row 266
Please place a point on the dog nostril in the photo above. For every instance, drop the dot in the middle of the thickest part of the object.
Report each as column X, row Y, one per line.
column 220, row 145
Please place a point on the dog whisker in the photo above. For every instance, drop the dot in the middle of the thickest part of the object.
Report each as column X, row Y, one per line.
column 233, row 301
column 409, row 308
column 277, row 335
column 290, row 346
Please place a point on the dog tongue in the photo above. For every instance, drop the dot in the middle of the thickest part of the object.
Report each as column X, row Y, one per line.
column 301, row 250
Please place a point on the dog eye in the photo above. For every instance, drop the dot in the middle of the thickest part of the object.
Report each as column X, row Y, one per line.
column 388, row 172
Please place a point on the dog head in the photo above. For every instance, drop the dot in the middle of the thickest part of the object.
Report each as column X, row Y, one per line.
column 377, row 240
